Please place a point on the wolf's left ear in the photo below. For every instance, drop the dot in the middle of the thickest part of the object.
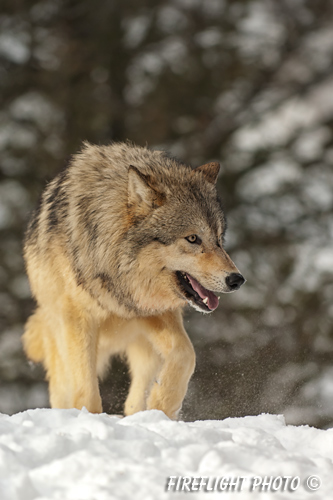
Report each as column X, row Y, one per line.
column 210, row 171
column 142, row 196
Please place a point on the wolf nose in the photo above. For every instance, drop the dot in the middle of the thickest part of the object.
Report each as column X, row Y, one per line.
column 234, row 281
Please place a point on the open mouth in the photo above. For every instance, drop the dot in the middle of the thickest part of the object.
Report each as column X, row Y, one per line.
column 197, row 294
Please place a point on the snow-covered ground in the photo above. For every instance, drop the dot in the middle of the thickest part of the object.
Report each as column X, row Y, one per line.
column 71, row 454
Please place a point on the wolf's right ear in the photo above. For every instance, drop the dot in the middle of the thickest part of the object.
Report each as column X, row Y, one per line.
column 142, row 196
column 210, row 171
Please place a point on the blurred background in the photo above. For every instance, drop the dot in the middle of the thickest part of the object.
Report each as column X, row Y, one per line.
column 247, row 83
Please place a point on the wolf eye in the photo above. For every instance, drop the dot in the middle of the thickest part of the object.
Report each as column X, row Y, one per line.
column 193, row 238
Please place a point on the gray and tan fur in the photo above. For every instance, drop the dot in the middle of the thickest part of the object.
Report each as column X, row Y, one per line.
column 112, row 252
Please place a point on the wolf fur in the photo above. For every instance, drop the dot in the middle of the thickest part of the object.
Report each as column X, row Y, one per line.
column 103, row 253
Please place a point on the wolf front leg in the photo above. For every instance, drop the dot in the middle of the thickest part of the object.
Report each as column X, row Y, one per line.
column 144, row 364
column 171, row 342
column 71, row 361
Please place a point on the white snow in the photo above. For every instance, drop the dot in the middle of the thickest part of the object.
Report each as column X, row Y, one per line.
column 35, row 107
column 15, row 46
column 275, row 128
column 72, row 454
column 269, row 178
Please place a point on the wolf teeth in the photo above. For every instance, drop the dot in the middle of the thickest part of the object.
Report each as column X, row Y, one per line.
column 205, row 300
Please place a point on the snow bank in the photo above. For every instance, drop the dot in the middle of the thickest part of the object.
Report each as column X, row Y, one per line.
column 71, row 454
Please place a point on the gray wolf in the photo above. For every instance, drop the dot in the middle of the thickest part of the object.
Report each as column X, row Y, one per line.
column 122, row 240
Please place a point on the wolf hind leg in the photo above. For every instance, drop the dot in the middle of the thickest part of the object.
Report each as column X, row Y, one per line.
column 60, row 391
column 33, row 337
column 144, row 364
column 71, row 361
column 40, row 346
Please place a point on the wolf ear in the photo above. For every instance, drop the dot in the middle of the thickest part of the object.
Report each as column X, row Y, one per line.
column 142, row 197
column 210, row 171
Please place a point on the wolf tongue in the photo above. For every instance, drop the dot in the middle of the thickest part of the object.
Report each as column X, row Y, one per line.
column 212, row 300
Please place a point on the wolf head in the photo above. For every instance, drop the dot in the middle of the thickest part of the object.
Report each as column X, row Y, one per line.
column 177, row 228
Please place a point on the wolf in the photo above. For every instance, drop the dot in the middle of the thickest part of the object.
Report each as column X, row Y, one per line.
column 121, row 241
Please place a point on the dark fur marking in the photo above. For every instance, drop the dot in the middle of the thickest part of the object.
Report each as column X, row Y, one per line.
column 88, row 219
column 140, row 239
column 92, row 231
column 32, row 229
column 103, row 155
column 57, row 211
column 159, row 240
column 108, row 285
column 56, row 201
column 106, row 281
column 79, row 278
